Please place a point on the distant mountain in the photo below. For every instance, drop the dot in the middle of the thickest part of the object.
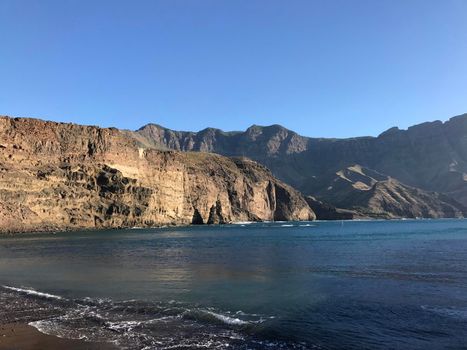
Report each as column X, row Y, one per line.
column 431, row 156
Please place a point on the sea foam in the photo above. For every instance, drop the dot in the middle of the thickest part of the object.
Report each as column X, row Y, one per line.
column 226, row 319
column 34, row 292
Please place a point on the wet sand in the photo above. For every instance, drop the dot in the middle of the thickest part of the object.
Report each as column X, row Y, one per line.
column 17, row 336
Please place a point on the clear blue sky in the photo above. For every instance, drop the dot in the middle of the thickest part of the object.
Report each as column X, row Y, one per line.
column 322, row 68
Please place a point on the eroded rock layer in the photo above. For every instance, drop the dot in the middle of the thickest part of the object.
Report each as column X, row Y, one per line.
column 56, row 176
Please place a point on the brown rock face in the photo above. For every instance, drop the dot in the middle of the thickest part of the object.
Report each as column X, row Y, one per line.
column 372, row 194
column 56, row 176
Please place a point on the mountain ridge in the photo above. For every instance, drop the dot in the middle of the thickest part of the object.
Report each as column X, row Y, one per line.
column 390, row 129
column 431, row 156
column 427, row 162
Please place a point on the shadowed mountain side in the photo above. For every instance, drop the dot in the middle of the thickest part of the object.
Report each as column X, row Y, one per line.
column 370, row 193
column 431, row 156
column 325, row 211
column 56, row 176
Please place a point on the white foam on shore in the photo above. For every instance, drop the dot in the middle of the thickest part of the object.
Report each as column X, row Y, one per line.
column 51, row 327
column 45, row 327
column 33, row 292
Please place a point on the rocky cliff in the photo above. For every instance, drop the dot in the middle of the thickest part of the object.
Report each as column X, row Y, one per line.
column 56, row 176
column 430, row 156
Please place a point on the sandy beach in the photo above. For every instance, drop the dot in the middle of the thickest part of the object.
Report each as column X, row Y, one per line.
column 15, row 336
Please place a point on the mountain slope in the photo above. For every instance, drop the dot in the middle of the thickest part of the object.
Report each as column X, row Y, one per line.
column 431, row 156
column 326, row 211
column 56, row 176
column 390, row 198
column 373, row 194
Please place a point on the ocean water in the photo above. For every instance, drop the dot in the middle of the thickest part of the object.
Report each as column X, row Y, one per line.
column 320, row 285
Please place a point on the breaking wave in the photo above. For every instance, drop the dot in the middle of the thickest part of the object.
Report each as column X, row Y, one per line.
column 137, row 324
column 33, row 292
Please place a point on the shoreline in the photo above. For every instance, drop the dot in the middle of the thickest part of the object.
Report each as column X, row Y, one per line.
column 47, row 230
column 21, row 336
column 53, row 231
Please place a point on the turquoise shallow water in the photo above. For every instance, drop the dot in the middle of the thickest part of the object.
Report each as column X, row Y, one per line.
column 323, row 285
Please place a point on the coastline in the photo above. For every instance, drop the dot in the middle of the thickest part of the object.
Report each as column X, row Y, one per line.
column 52, row 231
column 21, row 336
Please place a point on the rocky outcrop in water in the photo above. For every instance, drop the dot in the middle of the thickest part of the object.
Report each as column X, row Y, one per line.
column 56, row 176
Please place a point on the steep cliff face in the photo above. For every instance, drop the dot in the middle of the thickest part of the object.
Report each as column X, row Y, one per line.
column 65, row 176
column 431, row 156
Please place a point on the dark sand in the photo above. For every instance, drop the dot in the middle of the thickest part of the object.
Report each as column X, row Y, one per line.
column 15, row 336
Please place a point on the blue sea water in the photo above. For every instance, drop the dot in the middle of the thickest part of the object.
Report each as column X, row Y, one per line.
column 319, row 285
